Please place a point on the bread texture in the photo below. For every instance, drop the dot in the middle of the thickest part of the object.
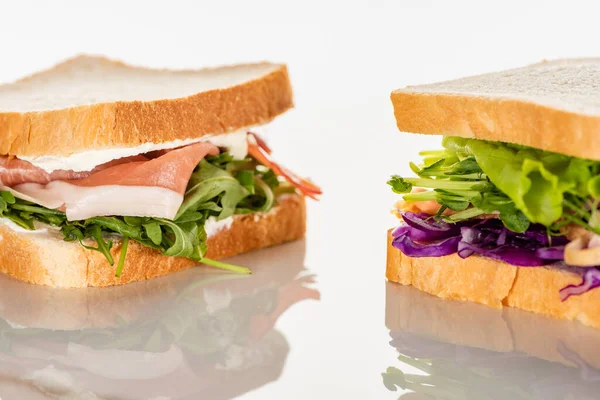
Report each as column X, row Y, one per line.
column 50, row 261
column 495, row 284
column 92, row 103
column 553, row 106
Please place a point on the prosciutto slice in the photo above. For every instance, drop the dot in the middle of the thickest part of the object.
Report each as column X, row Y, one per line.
column 171, row 170
column 133, row 186
column 14, row 172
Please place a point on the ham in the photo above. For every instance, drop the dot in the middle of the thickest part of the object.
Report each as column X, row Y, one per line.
column 258, row 149
column 134, row 186
column 14, row 172
column 171, row 170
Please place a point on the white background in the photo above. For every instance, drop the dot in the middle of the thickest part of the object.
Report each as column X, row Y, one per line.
column 344, row 59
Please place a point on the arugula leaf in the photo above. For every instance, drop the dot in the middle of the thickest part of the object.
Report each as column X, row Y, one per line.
column 227, row 186
column 154, row 232
column 35, row 209
column 135, row 221
column 22, row 221
column 210, row 206
column 115, row 224
column 95, row 232
column 121, row 264
column 246, row 179
column 221, row 160
column 72, row 233
column 225, row 266
column 208, row 182
column 270, row 179
column 186, row 243
column 190, row 216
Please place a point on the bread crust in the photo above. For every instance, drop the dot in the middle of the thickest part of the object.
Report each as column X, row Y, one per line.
column 495, row 284
column 53, row 262
column 66, row 131
column 497, row 119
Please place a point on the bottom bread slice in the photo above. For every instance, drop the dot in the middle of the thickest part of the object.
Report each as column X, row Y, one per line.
column 495, row 284
column 48, row 260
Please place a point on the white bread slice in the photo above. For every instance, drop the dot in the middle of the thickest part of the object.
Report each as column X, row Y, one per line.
column 92, row 102
column 495, row 284
column 552, row 106
column 53, row 262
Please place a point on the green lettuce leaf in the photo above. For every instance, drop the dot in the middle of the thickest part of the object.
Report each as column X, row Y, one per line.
column 536, row 181
column 521, row 184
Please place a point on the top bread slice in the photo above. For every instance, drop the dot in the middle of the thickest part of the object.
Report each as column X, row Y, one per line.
column 92, row 102
column 553, row 106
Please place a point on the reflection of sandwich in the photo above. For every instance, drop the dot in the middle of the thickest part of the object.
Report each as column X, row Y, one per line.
column 507, row 212
column 470, row 351
column 134, row 163
column 198, row 334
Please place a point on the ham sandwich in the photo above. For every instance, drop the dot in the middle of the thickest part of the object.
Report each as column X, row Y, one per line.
column 111, row 173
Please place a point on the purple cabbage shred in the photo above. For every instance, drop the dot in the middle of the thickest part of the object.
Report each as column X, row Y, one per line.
column 425, row 236
column 591, row 280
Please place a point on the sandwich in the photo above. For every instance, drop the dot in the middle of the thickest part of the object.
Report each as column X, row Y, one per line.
column 111, row 174
column 208, row 334
column 506, row 211
column 461, row 350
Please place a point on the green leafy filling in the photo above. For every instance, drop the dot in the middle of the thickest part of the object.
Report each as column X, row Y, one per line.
column 524, row 185
column 219, row 187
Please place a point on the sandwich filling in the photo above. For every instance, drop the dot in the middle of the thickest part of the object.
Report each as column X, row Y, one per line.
column 162, row 198
column 512, row 203
column 235, row 143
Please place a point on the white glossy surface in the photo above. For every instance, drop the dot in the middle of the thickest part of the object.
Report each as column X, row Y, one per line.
column 344, row 60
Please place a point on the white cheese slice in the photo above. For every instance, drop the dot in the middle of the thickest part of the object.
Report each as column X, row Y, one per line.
column 86, row 202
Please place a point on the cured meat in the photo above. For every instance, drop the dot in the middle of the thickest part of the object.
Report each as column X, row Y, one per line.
column 133, row 186
column 170, row 171
column 258, row 149
column 14, row 172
